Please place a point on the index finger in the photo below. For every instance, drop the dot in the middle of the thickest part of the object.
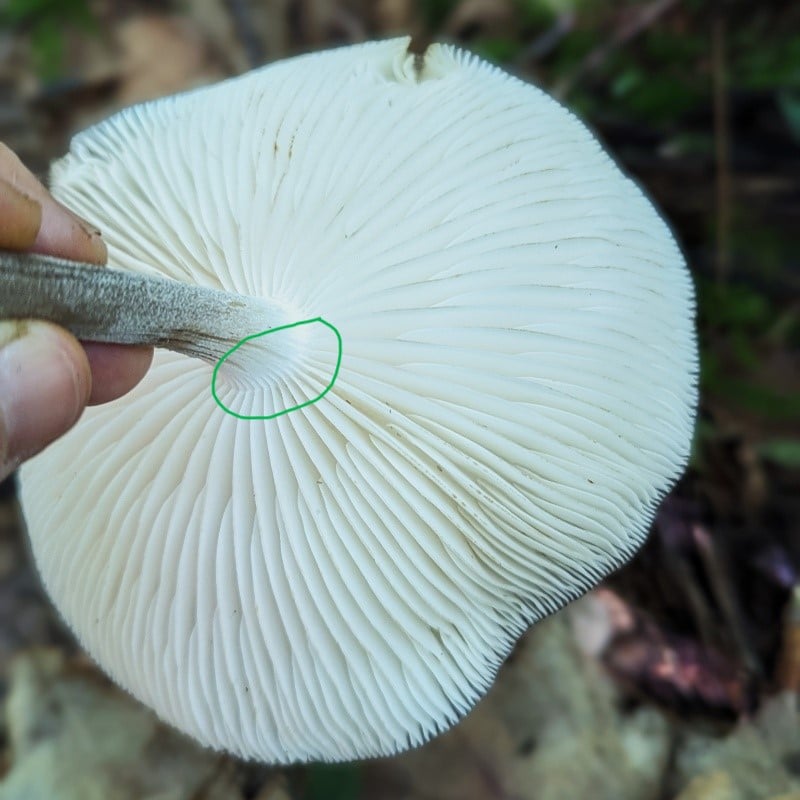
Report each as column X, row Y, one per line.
column 61, row 232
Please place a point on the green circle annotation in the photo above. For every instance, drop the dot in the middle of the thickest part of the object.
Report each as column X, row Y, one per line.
column 266, row 333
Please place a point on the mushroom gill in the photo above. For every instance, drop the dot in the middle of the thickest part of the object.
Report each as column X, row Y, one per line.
column 517, row 393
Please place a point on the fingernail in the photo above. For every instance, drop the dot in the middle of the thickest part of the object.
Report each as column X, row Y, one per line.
column 86, row 226
column 66, row 234
column 44, row 385
column 94, row 236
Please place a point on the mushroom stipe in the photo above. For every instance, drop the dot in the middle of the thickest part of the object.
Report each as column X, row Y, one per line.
column 516, row 395
column 107, row 305
column 123, row 307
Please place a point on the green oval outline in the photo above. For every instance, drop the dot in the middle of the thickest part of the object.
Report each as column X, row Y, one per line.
column 265, row 333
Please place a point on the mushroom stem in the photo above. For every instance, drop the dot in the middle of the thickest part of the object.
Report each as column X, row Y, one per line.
column 99, row 304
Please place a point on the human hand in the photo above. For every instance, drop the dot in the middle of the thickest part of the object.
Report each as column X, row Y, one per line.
column 47, row 377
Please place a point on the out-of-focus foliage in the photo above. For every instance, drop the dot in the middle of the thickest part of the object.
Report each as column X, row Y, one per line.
column 332, row 782
column 700, row 102
column 45, row 22
column 746, row 331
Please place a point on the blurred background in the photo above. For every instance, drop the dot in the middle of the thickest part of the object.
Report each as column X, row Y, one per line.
column 678, row 678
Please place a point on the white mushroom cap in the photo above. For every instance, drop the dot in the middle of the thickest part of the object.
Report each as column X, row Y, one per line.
column 516, row 395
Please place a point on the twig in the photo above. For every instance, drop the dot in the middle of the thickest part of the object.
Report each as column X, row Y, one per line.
column 719, row 580
column 242, row 17
column 624, row 34
column 721, row 144
column 547, row 42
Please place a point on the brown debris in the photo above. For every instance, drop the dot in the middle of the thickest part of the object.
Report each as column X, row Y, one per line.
column 161, row 55
column 677, row 673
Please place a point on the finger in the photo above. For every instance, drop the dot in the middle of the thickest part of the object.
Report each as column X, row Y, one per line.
column 45, row 383
column 62, row 233
column 20, row 218
column 116, row 369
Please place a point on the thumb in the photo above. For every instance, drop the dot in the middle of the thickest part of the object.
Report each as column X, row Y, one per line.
column 45, row 383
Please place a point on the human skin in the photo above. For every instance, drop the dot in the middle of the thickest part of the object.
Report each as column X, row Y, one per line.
column 47, row 377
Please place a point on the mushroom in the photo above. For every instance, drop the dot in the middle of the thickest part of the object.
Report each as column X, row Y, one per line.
column 517, row 393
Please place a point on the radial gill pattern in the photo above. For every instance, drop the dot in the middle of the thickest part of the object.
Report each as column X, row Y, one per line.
column 516, row 394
